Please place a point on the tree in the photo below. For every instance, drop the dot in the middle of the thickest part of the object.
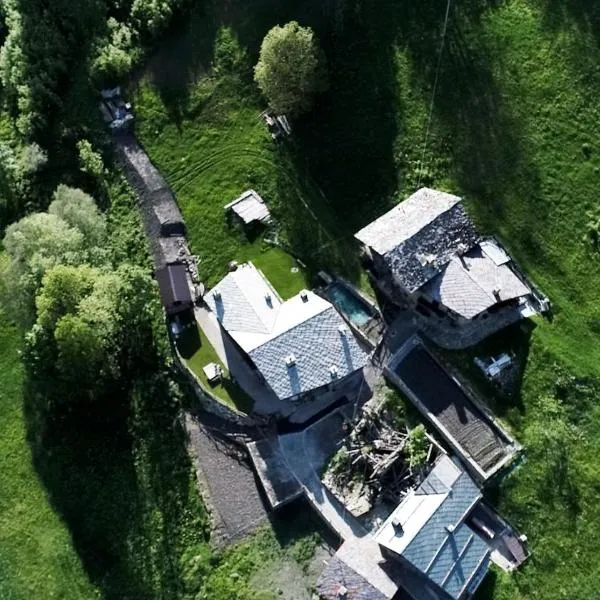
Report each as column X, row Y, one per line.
column 95, row 328
column 35, row 244
column 90, row 161
column 63, row 288
column 116, row 54
column 73, row 232
column 79, row 210
column 39, row 54
column 290, row 70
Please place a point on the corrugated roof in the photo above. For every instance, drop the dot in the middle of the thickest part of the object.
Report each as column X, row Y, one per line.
column 475, row 282
column 250, row 207
column 433, row 536
column 304, row 331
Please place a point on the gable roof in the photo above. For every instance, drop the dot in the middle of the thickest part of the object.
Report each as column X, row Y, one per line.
column 432, row 535
column 305, row 331
column 476, row 281
column 419, row 236
column 250, row 207
column 339, row 580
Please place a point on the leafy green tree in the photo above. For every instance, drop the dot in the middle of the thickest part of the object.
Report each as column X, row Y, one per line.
column 35, row 244
column 33, row 158
column 115, row 54
column 94, row 329
column 73, row 232
column 63, row 288
column 290, row 70
column 152, row 16
column 90, row 161
column 229, row 55
column 79, row 210
column 81, row 352
column 45, row 41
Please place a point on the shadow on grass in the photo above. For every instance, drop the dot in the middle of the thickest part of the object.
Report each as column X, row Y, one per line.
column 298, row 519
column 189, row 342
column 347, row 141
column 505, row 396
column 479, row 129
column 487, row 588
column 184, row 53
column 118, row 474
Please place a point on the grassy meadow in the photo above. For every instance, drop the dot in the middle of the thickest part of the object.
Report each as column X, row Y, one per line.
column 37, row 554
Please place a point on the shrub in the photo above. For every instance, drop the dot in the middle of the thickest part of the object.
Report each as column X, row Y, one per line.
column 417, row 446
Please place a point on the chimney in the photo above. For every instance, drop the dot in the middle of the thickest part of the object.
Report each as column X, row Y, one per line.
column 290, row 360
column 217, row 295
column 304, row 296
column 397, row 526
column 497, row 294
column 269, row 299
column 343, row 330
column 333, row 372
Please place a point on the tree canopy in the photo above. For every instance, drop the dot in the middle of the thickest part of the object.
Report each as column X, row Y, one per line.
column 290, row 70
column 79, row 210
column 72, row 232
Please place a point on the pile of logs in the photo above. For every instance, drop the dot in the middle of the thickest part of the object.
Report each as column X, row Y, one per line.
column 374, row 456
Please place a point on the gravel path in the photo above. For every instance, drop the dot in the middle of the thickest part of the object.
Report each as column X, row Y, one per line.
column 227, row 483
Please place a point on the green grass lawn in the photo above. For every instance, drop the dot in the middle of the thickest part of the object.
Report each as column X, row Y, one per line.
column 37, row 554
column 197, row 352
column 282, row 270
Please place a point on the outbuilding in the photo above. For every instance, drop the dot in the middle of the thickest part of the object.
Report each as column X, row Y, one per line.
column 249, row 210
column 174, row 288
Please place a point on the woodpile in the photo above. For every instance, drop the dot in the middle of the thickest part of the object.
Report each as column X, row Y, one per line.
column 373, row 462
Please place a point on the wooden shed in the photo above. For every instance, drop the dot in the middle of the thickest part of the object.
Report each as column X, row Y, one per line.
column 174, row 288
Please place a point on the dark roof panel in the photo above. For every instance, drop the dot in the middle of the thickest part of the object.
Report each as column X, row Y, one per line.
column 173, row 286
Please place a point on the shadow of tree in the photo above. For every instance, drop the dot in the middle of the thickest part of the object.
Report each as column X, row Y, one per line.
column 347, row 140
column 184, row 53
column 119, row 475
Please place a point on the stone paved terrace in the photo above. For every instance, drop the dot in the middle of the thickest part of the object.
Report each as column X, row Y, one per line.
column 304, row 454
column 227, row 483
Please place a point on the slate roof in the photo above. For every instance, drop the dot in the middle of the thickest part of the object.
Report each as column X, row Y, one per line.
column 433, row 536
column 250, row 207
column 305, row 327
column 338, row 578
column 419, row 236
column 468, row 283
